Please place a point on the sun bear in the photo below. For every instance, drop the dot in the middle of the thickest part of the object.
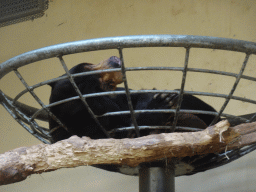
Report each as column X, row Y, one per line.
column 78, row 121
column 75, row 116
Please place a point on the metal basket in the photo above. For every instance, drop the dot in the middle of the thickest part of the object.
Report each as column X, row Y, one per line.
column 26, row 115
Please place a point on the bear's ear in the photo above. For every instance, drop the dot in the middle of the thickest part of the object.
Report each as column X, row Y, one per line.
column 52, row 84
column 82, row 67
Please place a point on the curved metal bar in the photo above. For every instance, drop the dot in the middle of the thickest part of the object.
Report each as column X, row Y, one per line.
column 222, row 159
column 44, row 116
column 126, row 42
column 33, row 123
column 13, row 111
column 127, row 91
column 241, row 118
column 131, row 69
column 135, row 69
column 252, row 119
column 156, row 127
column 192, row 70
column 61, row 78
column 181, row 91
column 81, row 96
column 28, row 110
column 233, row 89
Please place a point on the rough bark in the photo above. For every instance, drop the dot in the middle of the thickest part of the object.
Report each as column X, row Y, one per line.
column 17, row 164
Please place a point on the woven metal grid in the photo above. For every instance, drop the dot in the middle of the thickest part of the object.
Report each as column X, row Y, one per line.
column 15, row 11
column 27, row 115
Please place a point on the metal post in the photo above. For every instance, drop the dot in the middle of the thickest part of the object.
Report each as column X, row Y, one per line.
column 157, row 179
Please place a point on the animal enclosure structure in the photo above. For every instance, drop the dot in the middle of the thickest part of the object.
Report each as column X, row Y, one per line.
column 27, row 116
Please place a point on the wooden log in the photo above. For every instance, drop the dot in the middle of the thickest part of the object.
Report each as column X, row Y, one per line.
column 17, row 164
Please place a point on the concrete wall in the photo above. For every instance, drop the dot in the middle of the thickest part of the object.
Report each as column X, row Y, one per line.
column 66, row 21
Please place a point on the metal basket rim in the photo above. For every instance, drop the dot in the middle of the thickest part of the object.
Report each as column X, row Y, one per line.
column 126, row 42
column 120, row 43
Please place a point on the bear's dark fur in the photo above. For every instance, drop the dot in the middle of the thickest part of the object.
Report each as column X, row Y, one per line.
column 75, row 116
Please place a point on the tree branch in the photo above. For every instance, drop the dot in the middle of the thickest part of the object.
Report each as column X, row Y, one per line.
column 17, row 164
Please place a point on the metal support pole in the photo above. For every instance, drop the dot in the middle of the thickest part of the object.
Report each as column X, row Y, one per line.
column 157, row 179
